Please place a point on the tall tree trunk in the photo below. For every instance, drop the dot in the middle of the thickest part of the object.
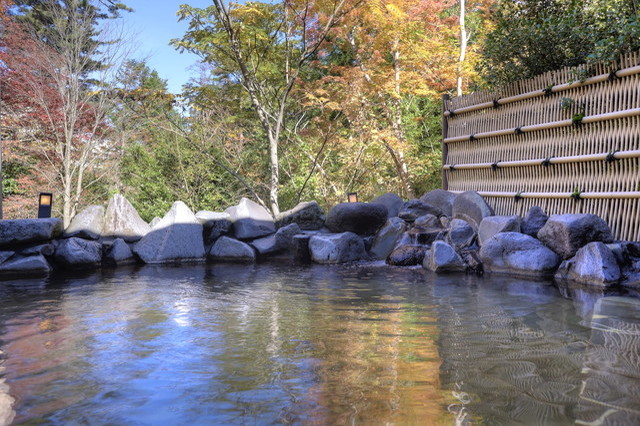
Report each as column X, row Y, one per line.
column 463, row 45
column 275, row 174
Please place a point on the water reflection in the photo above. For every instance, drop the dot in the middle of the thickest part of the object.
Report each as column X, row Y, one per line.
column 317, row 345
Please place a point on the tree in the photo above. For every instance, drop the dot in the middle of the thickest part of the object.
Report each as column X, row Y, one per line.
column 47, row 89
column 264, row 47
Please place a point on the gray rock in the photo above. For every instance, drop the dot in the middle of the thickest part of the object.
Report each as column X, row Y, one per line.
column 566, row 233
column 445, row 221
column 441, row 199
column 534, row 221
column 391, row 201
column 593, row 264
column 230, row 250
column 5, row 255
column 300, row 248
column 87, row 224
column 428, row 221
column 425, row 236
column 472, row 260
column 518, row 254
column 387, row 238
column 250, row 220
column 413, row 209
column 214, row 224
column 78, row 253
column 43, row 249
column 278, row 242
column 407, row 255
column 471, row 207
column 461, row 234
column 25, row 265
column 119, row 253
column 443, row 258
column 15, row 232
column 121, row 220
column 491, row 225
column 337, row 248
column 359, row 218
column 154, row 221
column 307, row 215
column 177, row 237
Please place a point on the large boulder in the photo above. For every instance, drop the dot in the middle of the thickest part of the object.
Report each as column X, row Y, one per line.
column 250, row 220
column 177, row 237
column 307, row 215
column 359, row 218
column 471, row 207
column 387, row 238
column 443, row 258
column 518, row 254
column 337, row 248
column 461, row 234
column 278, row 242
column 566, row 233
column 87, row 224
column 118, row 253
column 413, row 209
column 214, row 224
column 491, row 225
column 407, row 255
column 391, row 201
column 593, row 264
column 25, row 265
column 78, row 253
column 534, row 221
column 227, row 249
column 441, row 199
column 16, row 232
column 121, row 220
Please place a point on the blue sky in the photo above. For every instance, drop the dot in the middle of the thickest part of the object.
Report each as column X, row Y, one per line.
column 152, row 24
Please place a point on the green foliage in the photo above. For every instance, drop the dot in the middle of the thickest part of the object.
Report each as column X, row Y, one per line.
column 535, row 36
column 12, row 170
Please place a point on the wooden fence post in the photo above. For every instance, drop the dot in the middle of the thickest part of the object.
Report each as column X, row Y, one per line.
column 445, row 131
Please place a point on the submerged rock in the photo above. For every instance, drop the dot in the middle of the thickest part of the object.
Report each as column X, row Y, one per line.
column 118, row 253
column 177, row 237
column 87, row 224
column 518, row 254
column 387, row 238
column 471, row 207
column 440, row 199
column 391, row 201
column 307, row 215
column 336, row 248
column 230, row 250
column 359, row 218
column 15, row 232
column 78, row 253
column 250, row 220
column 566, row 233
column 593, row 264
column 121, row 220
column 407, row 255
column 25, row 265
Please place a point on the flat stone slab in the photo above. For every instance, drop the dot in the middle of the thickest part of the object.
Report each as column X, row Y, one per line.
column 16, row 232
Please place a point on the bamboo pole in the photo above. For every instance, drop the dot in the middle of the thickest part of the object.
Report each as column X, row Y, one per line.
column 445, row 131
column 553, row 160
column 545, row 126
column 554, row 89
column 559, row 195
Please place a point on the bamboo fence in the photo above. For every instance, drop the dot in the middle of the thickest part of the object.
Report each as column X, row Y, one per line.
column 567, row 141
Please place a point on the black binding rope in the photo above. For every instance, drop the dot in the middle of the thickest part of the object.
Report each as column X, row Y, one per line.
column 576, row 195
column 472, row 138
column 496, row 104
column 547, row 91
column 518, row 131
column 494, row 166
column 613, row 75
column 517, row 197
column 546, row 162
column 452, row 113
column 452, row 167
column 611, row 157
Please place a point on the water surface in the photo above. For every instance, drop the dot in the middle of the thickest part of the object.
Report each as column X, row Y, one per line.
column 265, row 344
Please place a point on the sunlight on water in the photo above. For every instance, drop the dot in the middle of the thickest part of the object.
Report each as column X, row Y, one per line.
column 314, row 345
